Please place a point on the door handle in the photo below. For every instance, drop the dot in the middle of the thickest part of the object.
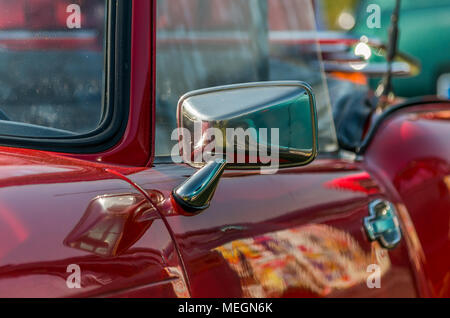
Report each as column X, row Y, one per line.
column 382, row 224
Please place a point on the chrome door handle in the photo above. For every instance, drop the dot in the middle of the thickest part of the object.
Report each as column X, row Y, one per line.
column 382, row 225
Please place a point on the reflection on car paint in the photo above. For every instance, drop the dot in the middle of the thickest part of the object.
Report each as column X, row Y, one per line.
column 359, row 182
column 447, row 182
column 316, row 257
column 178, row 283
column 112, row 224
column 442, row 115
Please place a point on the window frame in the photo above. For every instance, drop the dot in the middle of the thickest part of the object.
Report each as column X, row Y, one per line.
column 115, row 98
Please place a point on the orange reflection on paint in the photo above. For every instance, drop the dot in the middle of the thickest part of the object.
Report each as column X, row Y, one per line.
column 440, row 115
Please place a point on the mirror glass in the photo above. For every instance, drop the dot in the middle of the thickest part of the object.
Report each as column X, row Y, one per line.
column 265, row 124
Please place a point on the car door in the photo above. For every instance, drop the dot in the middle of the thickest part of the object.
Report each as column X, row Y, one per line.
column 77, row 227
column 298, row 232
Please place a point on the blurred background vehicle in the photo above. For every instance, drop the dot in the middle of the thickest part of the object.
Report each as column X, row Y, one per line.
column 425, row 35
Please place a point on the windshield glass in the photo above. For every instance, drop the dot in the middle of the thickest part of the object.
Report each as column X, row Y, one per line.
column 205, row 43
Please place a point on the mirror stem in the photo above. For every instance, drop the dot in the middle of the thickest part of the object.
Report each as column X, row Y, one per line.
column 195, row 194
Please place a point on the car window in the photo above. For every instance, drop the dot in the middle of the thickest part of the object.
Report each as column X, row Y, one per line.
column 205, row 43
column 51, row 67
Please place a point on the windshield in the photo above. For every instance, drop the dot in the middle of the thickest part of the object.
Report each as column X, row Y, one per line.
column 205, row 43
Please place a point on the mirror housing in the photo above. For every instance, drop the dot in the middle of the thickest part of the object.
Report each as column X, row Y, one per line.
column 267, row 125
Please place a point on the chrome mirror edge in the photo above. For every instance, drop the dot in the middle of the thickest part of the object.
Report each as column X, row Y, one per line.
column 304, row 85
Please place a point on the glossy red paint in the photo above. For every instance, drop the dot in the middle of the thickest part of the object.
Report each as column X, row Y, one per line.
column 57, row 211
column 411, row 155
column 296, row 233
column 261, row 235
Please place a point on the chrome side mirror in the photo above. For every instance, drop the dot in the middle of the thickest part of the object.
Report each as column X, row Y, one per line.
column 254, row 125
column 265, row 125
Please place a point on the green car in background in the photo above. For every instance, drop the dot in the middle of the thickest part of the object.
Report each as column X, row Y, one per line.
column 424, row 34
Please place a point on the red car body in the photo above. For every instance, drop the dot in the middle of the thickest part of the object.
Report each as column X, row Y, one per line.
column 297, row 233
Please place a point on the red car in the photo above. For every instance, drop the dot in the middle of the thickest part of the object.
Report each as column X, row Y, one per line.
column 106, row 207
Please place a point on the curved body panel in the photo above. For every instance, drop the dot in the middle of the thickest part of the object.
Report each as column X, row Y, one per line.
column 411, row 154
column 296, row 233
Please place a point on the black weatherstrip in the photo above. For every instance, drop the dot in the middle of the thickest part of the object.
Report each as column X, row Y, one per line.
column 408, row 103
